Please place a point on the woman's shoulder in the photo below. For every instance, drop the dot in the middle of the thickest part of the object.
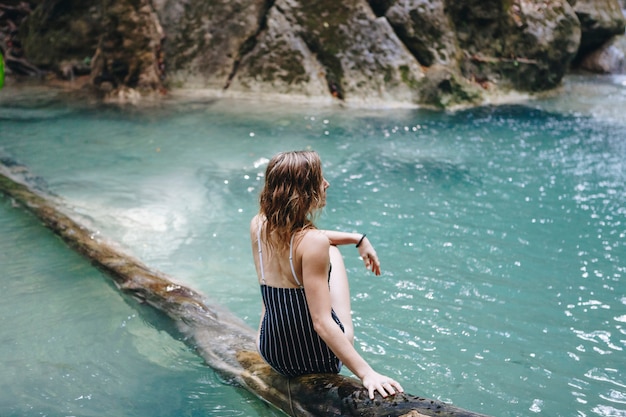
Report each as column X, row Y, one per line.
column 255, row 222
column 314, row 248
column 314, row 238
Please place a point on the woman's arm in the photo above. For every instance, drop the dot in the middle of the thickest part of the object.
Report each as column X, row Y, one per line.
column 342, row 238
column 365, row 248
column 315, row 260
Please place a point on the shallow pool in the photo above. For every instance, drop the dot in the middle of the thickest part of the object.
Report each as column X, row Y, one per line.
column 501, row 233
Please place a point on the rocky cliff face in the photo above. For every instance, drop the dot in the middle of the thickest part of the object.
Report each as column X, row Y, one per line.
column 439, row 53
column 603, row 46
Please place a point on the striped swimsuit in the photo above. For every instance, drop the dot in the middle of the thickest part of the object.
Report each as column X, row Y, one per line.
column 287, row 341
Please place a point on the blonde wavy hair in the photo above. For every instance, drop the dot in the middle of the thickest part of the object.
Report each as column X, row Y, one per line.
column 292, row 195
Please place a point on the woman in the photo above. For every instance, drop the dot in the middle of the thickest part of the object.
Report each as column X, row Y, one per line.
column 306, row 323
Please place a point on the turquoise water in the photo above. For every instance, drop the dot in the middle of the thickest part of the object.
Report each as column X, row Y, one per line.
column 501, row 233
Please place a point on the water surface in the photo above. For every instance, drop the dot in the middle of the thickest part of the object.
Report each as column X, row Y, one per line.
column 500, row 230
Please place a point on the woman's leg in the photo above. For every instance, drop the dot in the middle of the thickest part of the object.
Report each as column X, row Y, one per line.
column 340, row 292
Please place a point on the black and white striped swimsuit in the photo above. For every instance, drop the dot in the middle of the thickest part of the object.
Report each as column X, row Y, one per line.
column 287, row 341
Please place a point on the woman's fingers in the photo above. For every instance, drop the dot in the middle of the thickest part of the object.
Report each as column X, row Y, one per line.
column 369, row 256
column 376, row 266
column 371, row 392
column 385, row 388
column 372, row 263
column 396, row 385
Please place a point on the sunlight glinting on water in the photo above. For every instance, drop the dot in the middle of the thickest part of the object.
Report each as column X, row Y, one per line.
column 501, row 234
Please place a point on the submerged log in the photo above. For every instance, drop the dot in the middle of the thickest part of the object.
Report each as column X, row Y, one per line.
column 225, row 342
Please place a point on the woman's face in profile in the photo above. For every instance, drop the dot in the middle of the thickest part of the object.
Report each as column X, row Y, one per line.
column 325, row 185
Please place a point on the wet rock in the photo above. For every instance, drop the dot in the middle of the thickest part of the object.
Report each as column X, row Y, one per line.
column 425, row 28
column 445, row 88
column 128, row 53
column 116, row 42
column 600, row 20
column 522, row 45
column 426, row 52
column 345, row 47
column 280, row 63
column 12, row 16
column 207, row 39
column 610, row 58
column 61, row 31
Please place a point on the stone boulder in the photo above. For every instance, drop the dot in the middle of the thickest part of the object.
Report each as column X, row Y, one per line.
column 280, row 63
column 359, row 52
column 62, row 36
column 610, row 58
column 440, row 53
column 603, row 45
column 424, row 27
column 116, row 42
column 206, row 40
column 522, row 45
column 600, row 20
column 340, row 47
column 128, row 58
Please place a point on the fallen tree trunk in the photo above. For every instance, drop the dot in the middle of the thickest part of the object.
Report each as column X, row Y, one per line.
column 225, row 342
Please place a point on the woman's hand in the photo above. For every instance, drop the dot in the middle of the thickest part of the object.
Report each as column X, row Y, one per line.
column 374, row 381
column 368, row 254
column 365, row 248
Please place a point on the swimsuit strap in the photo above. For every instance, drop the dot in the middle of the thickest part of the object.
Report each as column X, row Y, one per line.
column 293, row 270
column 258, row 242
